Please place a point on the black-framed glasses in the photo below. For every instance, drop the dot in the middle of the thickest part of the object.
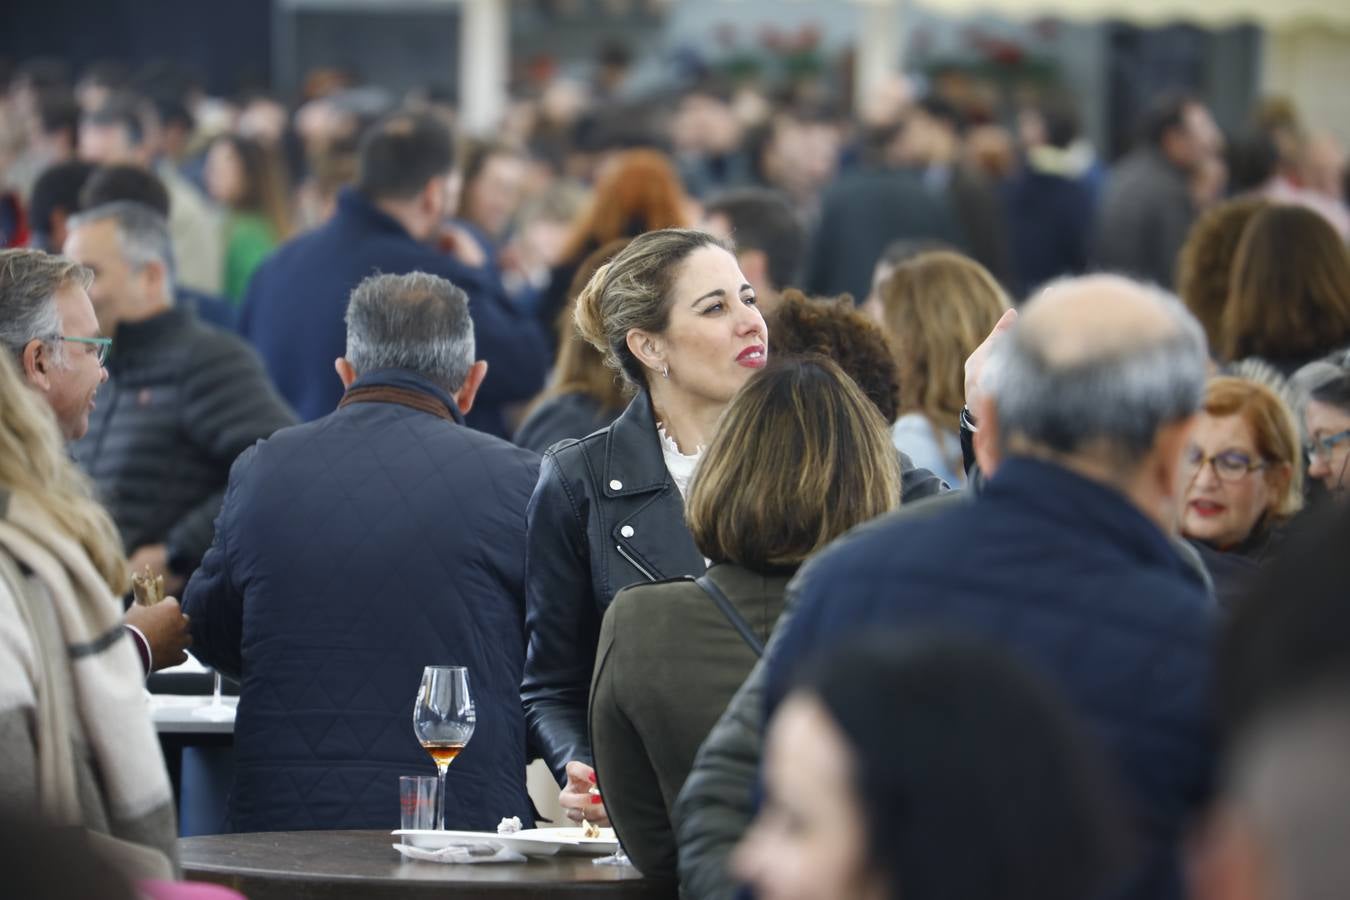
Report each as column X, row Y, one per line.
column 1229, row 465
column 102, row 345
column 1324, row 446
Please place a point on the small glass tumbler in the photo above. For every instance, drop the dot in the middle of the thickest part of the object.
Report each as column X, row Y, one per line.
column 417, row 802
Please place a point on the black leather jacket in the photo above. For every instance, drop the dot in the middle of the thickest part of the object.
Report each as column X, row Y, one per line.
column 604, row 515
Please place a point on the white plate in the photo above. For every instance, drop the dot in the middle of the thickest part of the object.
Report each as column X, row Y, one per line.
column 519, row 842
column 573, row 842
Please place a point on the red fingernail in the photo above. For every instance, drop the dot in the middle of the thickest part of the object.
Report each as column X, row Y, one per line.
column 592, row 777
column 596, row 798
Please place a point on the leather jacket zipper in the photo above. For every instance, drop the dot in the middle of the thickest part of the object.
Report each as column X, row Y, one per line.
column 634, row 563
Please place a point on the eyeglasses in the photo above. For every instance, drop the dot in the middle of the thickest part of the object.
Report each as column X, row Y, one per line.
column 1325, row 445
column 1229, row 465
column 103, row 345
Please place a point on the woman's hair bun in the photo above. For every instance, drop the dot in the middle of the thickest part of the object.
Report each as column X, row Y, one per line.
column 589, row 320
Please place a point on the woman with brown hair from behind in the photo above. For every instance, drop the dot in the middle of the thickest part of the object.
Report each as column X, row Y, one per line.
column 637, row 191
column 938, row 308
column 583, row 393
column 800, row 457
column 1205, row 265
column 1289, row 299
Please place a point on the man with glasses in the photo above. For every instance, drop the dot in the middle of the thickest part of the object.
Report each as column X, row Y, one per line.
column 183, row 399
column 48, row 325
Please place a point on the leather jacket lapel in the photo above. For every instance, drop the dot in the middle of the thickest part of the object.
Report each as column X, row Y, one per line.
column 644, row 500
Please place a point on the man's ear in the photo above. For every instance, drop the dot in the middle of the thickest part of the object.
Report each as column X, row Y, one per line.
column 649, row 349
column 986, row 442
column 37, row 363
column 345, row 371
column 1169, row 447
column 464, row 397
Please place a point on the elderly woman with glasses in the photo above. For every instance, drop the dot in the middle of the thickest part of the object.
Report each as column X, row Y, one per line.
column 1326, row 421
column 1245, row 474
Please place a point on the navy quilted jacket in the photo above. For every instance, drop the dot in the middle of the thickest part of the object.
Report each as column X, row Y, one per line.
column 1075, row 581
column 351, row 552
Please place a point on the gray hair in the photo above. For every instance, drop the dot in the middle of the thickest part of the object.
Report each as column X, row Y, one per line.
column 417, row 322
column 141, row 231
column 1114, row 402
column 29, row 280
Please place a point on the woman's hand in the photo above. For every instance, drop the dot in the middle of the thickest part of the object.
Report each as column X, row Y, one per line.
column 580, row 797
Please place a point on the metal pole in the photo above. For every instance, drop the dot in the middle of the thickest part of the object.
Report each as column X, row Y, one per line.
column 484, row 60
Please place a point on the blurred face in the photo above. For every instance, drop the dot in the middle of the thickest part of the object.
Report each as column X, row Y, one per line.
column 1231, row 487
column 494, row 196
column 715, row 338
column 1331, row 466
column 107, row 145
column 873, row 305
column 224, row 174
column 809, row 840
column 71, row 386
column 117, row 290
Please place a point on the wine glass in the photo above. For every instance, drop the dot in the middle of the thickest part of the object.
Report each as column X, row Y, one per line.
column 443, row 720
column 217, row 711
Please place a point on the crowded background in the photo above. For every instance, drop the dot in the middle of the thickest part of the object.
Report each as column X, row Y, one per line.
column 854, row 450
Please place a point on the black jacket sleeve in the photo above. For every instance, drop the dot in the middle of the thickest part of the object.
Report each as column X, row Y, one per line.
column 562, row 623
column 213, row 601
column 229, row 405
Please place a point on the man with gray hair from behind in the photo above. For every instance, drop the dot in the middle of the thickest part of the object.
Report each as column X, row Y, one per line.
column 1066, row 557
column 356, row 549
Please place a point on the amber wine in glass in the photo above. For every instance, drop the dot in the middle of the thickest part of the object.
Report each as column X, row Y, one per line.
column 443, row 720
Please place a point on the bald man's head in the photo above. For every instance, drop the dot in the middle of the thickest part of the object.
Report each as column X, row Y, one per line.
column 1097, row 365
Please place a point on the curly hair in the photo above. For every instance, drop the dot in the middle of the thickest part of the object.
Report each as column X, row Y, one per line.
column 834, row 328
column 1205, row 266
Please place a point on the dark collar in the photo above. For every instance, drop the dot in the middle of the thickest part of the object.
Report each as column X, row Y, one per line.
column 634, row 463
column 404, row 380
column 356, row 205
column 154, row 333
column 1083, row 505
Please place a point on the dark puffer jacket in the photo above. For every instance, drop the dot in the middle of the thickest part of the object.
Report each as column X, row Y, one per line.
column 352, row 552
column 183, row 399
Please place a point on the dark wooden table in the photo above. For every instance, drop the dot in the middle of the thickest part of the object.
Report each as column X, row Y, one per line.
column 341, row 865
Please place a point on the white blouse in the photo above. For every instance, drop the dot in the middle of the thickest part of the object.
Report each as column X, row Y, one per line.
column 681, row 466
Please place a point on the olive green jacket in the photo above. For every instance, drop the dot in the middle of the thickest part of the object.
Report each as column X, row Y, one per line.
column 667, row 664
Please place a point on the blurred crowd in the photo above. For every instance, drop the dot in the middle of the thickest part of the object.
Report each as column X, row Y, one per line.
column 746, row 376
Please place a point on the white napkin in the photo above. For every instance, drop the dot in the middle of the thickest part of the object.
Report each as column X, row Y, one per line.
column 468, row 852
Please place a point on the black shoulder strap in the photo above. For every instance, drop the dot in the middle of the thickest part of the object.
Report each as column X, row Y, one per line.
column 729, row 610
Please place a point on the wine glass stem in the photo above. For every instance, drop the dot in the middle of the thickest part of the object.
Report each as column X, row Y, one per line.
column 440, row 804
column 215, row 689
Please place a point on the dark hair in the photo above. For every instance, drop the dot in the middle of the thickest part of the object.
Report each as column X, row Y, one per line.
column 836, row 329
column 974, row 779
column 57, row 188
column 936, row 107
column 763, row 220
column 121, row 110
column 1286, row 638
column 1290, row 288
column 400, row 153
column 799, row 458
column 1060, row 118
column 110, row 184
column 264, row 182
column 1252, row 159
column 58, row 111
column 1164, row 113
